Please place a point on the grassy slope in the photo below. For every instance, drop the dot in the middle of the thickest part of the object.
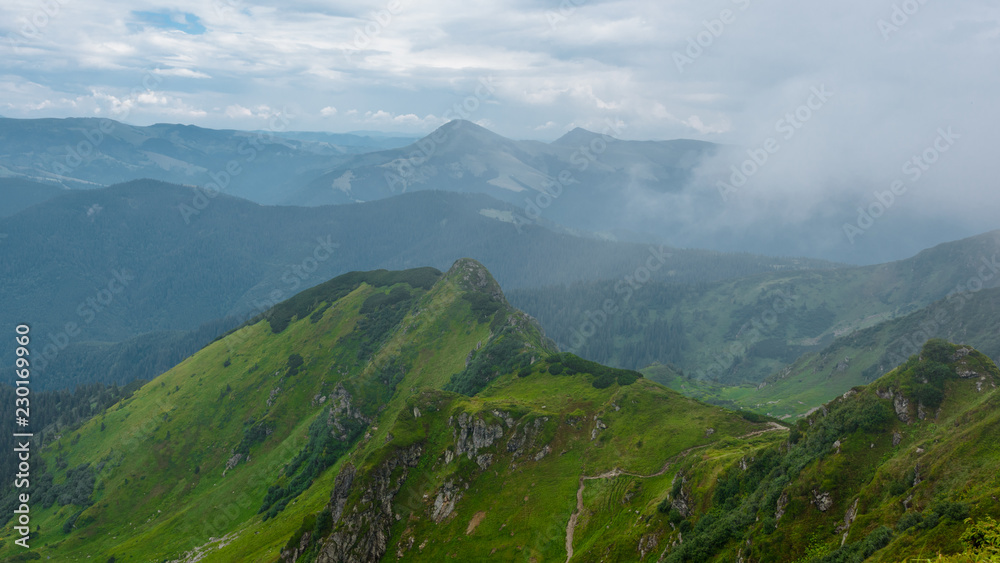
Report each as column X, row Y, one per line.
column 657, row 447
column 746, row 329
column 953, row 451
column 150, row 501
column 523, row 504
column 856, row 359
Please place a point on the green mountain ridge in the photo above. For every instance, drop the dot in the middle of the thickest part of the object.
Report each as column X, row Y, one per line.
column 125, row 276
column 855, row 359
column 744, row 330
column 416, row 415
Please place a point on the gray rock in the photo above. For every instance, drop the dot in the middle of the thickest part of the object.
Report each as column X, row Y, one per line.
column 363, row 534
column 822, row 500
column 902, row 407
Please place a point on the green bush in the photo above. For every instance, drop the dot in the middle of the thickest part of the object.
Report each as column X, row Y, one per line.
column 937, row 350
column 503, row 354
column 909, row 520
column 982, row 537
column 295, row 361
column 328, row 292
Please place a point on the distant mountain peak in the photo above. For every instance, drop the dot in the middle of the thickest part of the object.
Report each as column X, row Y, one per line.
column 578, row 136
column 464, row 127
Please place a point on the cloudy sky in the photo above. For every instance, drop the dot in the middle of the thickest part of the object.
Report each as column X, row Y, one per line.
column 893, row 73
column 718, row 70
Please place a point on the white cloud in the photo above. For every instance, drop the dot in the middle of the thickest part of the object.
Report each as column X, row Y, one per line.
column 328, row 111
column 181, row 72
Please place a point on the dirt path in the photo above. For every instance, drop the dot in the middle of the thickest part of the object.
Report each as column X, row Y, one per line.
column 774, row 426
column 616, row 472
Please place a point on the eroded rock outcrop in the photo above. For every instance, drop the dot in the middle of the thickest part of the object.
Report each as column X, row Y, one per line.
column 821, row 500
column 474, row 434
column 361, row 533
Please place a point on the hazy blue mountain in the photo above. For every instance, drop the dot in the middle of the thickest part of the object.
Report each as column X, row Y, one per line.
column 744, row 330
column 577, row 180
column 17, row 194
column 106, row 265
column 94, row 152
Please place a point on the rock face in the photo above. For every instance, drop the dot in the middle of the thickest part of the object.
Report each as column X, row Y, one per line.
column 362, row 534
column 474, row 434
column 902, row 407
column 342, row 408
column 524, row 437
column 899, row 403
column 849, row 517
column 444, row 502
column 780, row 508
column 822, row 501
column 598, row 426
column 683, row 501
column 293, row 554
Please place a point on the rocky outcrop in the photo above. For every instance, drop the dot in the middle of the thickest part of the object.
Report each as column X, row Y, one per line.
column 598, row 426
column 474, row 434
column 444, row 502
column 849, row 517
column 780, row 508
column 899, row 403
column 362, row 533
column 293, row 554
column 341, row 488
column 340, row 410
column 647, row 544
column 682, row 503
column 821, row 500
column 902, row 407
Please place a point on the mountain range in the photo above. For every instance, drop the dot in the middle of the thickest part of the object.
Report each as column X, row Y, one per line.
column 84, row 153
column 416, row 415
column 147, row 257
column 641, row 191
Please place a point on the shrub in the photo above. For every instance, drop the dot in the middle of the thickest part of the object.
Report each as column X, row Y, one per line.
column 982, row 537
column 937, row 350
column 909, row 520
column 295, row 361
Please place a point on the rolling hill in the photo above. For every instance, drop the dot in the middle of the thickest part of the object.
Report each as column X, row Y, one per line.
column 580, row 180
column 855, row 359
column 744, row 330
column 112, row 264
column 417, row 416
column 85, row 153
